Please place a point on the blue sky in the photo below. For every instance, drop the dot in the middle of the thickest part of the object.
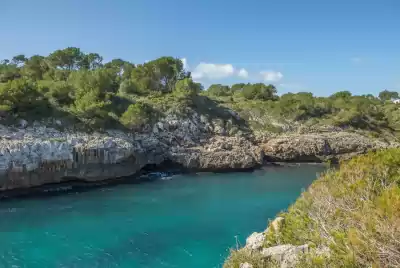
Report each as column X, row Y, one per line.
column 298, row 45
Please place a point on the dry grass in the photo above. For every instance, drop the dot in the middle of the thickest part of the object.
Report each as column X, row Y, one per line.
column 354, row 211
column 238, row 257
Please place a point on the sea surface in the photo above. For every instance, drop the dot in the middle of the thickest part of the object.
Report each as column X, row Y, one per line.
column 188, row 221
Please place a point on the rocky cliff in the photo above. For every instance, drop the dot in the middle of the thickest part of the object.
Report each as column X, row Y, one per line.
column 35, row 155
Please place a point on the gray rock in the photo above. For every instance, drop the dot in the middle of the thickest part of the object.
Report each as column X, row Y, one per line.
column 319, row 147
column 23, row 123
column 245, row 265
column 38, row 154
column 255, row 241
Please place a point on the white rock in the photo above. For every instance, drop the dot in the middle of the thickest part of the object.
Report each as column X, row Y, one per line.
column 255, row 241
column 245, row 265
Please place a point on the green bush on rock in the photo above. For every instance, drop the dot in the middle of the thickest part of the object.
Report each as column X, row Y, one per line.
column 136, row 116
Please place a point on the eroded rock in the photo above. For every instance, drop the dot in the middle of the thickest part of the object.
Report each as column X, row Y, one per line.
column 320, row 147
column 255, row 241
column 39, row 154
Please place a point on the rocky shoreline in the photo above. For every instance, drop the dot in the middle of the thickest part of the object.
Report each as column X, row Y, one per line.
column 283, row 256
column 36, row 155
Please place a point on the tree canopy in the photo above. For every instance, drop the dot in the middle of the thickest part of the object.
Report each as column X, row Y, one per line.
column 388, row 95
column 84, row 86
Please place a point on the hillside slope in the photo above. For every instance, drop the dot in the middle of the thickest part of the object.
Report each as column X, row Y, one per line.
column 349, row 217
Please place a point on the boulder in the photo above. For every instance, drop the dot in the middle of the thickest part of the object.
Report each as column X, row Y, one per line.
column 245, row 265
column 255, row 241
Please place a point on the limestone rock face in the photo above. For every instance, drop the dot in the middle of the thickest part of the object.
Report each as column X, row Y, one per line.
column 220, row 153
column 255, row 241
column 32, row 155
column 320, row 147
column 36, row 155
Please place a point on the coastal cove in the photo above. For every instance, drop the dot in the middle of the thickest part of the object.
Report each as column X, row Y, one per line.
column 188, row 221
column 208, row 134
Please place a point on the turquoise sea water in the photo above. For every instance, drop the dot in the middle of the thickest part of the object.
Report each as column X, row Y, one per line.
column 189, row 221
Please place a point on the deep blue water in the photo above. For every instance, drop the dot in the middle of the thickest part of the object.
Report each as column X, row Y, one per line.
column 189, row 221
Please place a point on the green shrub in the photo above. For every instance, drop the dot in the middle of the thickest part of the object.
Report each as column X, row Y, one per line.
column 129, row 87
column 136, row 116
column 59, row 92
column 259, row 91
column 219, row 90
column 22, row 98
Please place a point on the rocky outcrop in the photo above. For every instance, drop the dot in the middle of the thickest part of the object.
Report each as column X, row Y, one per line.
column 256, row 240
column 32, row 155
column 220, row 153
column 284, row 256
column 320, row 147
column 37, row 155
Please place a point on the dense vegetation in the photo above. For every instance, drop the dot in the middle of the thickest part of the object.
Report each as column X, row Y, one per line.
column 71, row 83
column 80, row 86
column 266, row 111
column 353, row 211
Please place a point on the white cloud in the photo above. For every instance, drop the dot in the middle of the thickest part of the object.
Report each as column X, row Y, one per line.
column 212, row 71
column 243, row 73
column 356, row 60
column 291, row 86
column 271, row 76
column 185, row 64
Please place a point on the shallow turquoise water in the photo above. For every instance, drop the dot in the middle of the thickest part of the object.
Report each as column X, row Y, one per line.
column 189, row 221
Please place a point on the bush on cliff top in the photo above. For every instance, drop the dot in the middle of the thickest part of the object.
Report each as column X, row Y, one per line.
column 136, row 116
column 354, row 211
